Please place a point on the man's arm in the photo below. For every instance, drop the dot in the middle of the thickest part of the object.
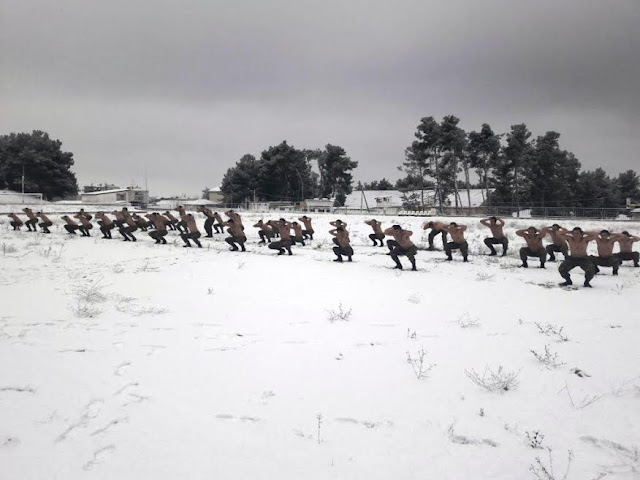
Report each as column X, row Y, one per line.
column 485, row 222
column 369, row 222
column 521, row 232
column 462, row 228
column 389, row 231
column 500, row 222
column 591, row 236
column 333, row 232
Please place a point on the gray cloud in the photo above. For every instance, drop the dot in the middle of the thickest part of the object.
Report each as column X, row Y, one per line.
column 183, row 89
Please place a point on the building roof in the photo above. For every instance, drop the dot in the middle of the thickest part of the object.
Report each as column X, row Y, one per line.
column 394, row 198
column 115, row 190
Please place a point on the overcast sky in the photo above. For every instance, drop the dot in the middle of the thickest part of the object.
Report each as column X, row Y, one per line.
column 185, row 88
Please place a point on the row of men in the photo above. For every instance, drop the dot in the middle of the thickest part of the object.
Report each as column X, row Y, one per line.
column 401, row 245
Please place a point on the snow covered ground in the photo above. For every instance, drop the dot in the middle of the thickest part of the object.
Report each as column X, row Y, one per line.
column 137, row 361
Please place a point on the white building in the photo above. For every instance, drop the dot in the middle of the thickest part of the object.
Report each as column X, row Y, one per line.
column 134, row 196
column 317, row 205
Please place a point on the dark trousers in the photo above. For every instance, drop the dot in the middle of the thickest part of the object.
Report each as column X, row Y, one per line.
column 340, row 251
column 526, row 252
column 491, row 241
column 612, row 261
column 218, row 227
column 553, row 249
column 281, row 246
column 463, row 247
column 186, row 236
column 182, row 227
column 84, row 230
column 627, row 256
column 299, row 240
column 16, row 225
column 45, row 226
column 32, row 222
column 265, row 236
column 106, row 229
column 127, row 232
column 71, row 228
column 208, row 226
column 308, row 234
column 572, row 262
column 398, row 251
column 158, row 236
column 232, row 241
column 374, row 237
column 433, row 234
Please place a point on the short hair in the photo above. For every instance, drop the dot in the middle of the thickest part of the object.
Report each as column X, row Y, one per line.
column 282, row 220
column 626, row 233
column 532, row 228
column 604, row 231
column 397, row 227
column 493, row 218
column 339, row 220
column 453, row 224
column 576, row 229
column 555, row 225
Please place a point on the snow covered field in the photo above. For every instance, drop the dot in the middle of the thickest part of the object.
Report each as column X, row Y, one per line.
column 138, row 361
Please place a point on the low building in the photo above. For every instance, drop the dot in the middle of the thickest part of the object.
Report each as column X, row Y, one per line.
column 216, row 196
column 133, row 196
column 317, row 205
column 282, row 206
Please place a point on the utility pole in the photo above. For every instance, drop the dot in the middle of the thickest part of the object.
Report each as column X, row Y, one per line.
column 23, row 183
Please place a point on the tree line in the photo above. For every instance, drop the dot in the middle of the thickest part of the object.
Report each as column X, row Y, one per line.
column 511, row 169
column 284, row 172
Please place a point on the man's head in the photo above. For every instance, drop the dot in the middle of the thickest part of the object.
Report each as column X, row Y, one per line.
column 282, row 220
column 493, row 219
column 576, row 232
column 305, row 217
column 626, row 233
column 295, row 223
column 532, row 230
column 605, row 233
column 555, row 227
column 340, row 229
column 338, row 221
column 430, row 224
column 453, row 224
column 397, row 227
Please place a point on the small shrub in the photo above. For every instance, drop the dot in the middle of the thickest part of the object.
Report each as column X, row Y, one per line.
column 548, row 359
column 418, row 364
column 339, row 313
column 467, row 321
column 498, row 381
column 553, row 331
column 534, row 439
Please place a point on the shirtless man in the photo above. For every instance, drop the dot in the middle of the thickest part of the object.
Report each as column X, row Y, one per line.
column 235, row 216
column 85, row 214
column 160, row 231
column 340, row 223
column 45, row 224
column 182, row 224
column 297, row 234
column 307, row 232
column 119, row 218
column 237, row 236
column 434, row 233
column 128, row 226
column 192, row 232
column 275, row 227
column 70, row 226
column 458, row 242
column 265, row 231
column 85, row 225
column 377, row 234
column 605, row 242
column 578, row 242
column 344, row 246
column 208, row 223
column 33, row 220
column 559, row 244
column 106, row 225
column 284, row 228
column 141, row 223
column 534, row 247
column 218, row 227
column 173, row 220
column 401, row 245
column 626, row 252
column 495, row 225
column 16, row 223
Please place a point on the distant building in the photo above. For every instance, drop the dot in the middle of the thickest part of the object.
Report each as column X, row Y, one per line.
column 216, row 196
column 134, row 196
column 98, row 188
column 317, row 205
